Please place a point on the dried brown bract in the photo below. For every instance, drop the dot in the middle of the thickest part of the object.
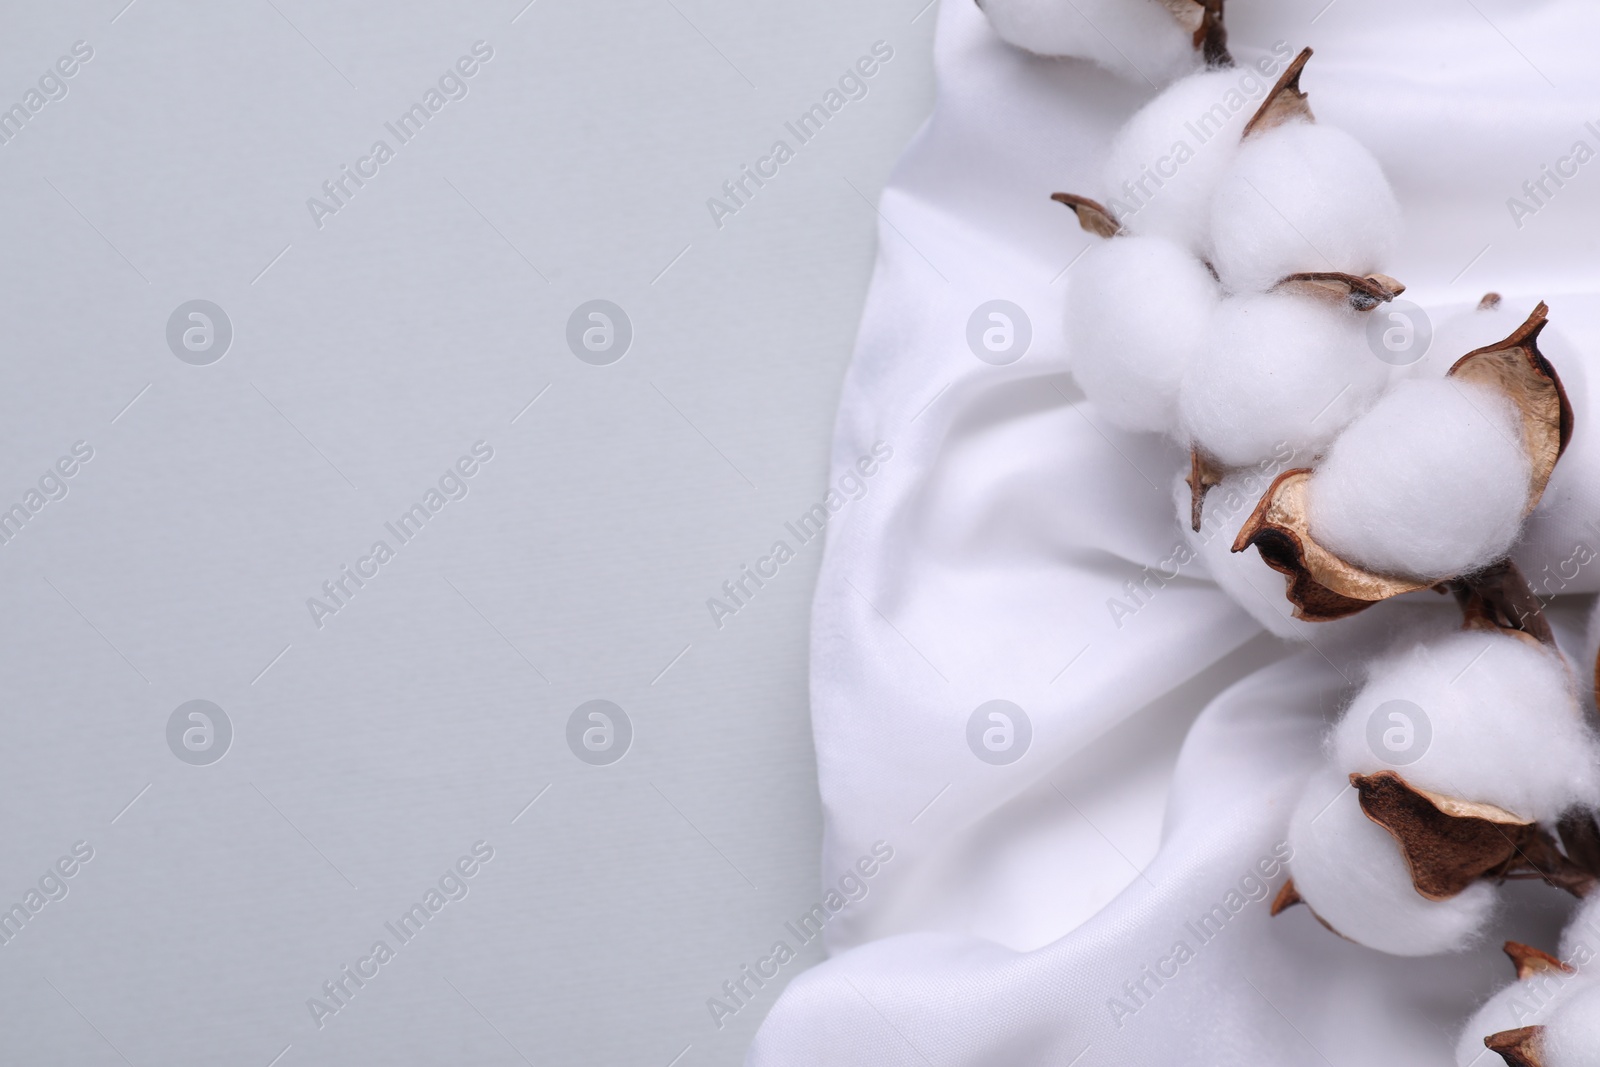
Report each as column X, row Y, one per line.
column 1447, row 843
column 1092, row 215
column 1362, row 294
column 1530, row 961
column 1203, row 18
column 1287, row 898
column 1498, row 598
column 1285, row 103
column 1519, row 1047
column 1204, row 475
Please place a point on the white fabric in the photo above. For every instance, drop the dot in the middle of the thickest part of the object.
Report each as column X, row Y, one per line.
column 981, row 565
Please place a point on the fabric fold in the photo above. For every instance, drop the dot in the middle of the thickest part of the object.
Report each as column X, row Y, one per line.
column 1007, row 593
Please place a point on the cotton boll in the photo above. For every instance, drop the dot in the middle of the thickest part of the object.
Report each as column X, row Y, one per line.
column 1277, row 370
column 1137, row 39
column 1559, row 549
column 1301, row 197
column 1166, row 161
column 1137, row 309
column 1531, row 1002
column 1495, row 718
column 1572, row 1036
column 1349, row 870
column 1432, row 482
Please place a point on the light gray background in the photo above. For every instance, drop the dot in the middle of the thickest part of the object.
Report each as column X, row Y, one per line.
column 367, row 356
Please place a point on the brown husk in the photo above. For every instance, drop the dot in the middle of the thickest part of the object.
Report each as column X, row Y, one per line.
column 1285, row 103
column 1287, row 898
column 1541, row 858
column 1530, row 961
column 1519, row 1047
column 1092, row 215
column 1204, row 475
column 1361, row 294
column 1447, row 843
column 1499, row 599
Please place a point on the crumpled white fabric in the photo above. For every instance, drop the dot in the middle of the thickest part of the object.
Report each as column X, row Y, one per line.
column 1021, row 904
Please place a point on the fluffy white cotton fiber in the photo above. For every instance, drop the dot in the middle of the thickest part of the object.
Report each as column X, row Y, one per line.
column 1137, row 39
column 1525, row 1003
column 1278, row 370
column 1137, row 310
column 1350, row 871
column 1495, row 717
column 1432, row 482
column 1572, row 1036
column 1301, row 197
column 1165, row 163
column 1580, row 941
